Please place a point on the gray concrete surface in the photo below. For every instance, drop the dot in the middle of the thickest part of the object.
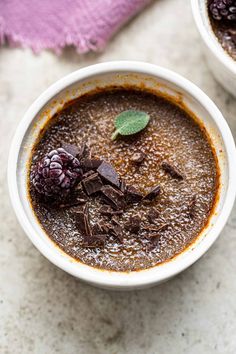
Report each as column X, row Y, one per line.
column 44, row 310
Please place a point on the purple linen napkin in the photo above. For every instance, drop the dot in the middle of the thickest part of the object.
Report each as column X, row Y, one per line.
column 54, row 24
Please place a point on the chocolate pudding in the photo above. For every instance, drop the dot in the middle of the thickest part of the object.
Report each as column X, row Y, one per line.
column 222, row 15
column 129, row 203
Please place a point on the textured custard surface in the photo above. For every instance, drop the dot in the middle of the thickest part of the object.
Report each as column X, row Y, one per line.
column 172, row 135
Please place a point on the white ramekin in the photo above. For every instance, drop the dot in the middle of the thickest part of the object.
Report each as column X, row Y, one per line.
column 102, row 75
column 219, row 61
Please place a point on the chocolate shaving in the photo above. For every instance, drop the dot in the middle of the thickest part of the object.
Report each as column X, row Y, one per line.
column 82, row 220
column 109, row 174
column 153, row 236
column 106, row 210
column 115, row 220
column 132, row 195
column 137, row 157
column 113, row 197
column 71, row 149
column 133, row 224
column 95, row 241
column 156, row 229
column 154, row 192
column 172, row 170
column 192, row 205
column 90, row 164
column 81, row 200
column 104, row 227
column 84, row 152
column 92, row 183
column 78, row 201
column 96, row 229
column 152, row 215
column 122, row 186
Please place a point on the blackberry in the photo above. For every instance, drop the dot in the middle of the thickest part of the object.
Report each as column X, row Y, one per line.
column 223, row 10
column 56, row 173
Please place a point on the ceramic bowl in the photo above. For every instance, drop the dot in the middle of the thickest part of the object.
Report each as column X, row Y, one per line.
column 219, row 61
column 102, row 75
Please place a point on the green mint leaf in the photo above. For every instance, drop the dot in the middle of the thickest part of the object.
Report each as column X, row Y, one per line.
column 130, row 122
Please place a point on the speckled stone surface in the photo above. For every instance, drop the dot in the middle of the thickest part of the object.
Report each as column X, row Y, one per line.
column 44, row 310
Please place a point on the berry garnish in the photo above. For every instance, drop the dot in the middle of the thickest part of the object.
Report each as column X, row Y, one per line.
column 223, row 10
column 56, row 173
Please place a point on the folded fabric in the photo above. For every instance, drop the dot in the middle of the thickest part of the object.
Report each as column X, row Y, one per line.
column 54, row 24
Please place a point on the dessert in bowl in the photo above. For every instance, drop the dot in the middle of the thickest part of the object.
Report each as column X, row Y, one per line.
column 222, row 15
column 216, row 23
column 131, row 208
column 135, row 201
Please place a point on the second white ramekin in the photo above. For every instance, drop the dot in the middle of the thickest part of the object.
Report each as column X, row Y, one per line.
column 219, row 61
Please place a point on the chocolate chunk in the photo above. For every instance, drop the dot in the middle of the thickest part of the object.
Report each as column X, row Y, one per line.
column 75, row 198
column 87, row 174
column 133, row 224
column 108, row 173
column 82, row 220
column 113, row 197
column 92, row 184
column 152, row 215
column 79, row 193
column 106, row 210
column 138, row 157
column 132, row 195
column 116, row 230
column 154, row 192
column 79, row 189
column 94, row 241
column 71, row 149
column 90, row 164
column 192, row 205
column 172, row 170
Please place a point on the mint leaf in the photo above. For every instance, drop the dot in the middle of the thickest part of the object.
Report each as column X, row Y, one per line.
column 130, row 122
